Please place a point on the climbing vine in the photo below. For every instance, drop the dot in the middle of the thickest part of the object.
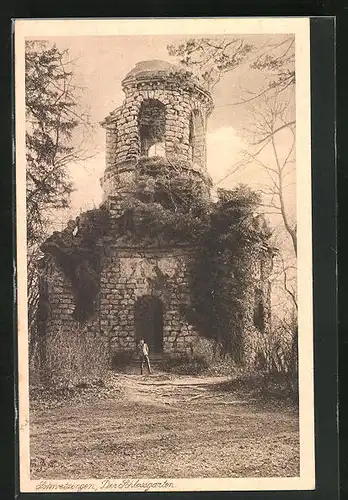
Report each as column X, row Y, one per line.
column 77, row 252
column 171, row 205
column 223, row 273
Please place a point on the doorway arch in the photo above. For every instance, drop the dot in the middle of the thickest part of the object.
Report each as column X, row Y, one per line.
column 148, row 320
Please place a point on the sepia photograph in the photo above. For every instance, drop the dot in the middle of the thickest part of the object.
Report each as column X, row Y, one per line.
column 164, row 254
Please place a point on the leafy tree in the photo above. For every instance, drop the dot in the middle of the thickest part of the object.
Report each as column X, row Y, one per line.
column 279, row 60
column 52, row 117
column 214, row 57
column 210, row 56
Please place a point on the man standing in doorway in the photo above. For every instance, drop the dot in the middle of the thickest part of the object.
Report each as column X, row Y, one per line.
column 144, row 356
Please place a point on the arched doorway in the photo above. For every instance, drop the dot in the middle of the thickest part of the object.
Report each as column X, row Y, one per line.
column 148, row 319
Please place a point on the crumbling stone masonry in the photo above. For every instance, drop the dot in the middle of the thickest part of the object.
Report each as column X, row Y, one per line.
column 140, row 284
column 143, row 291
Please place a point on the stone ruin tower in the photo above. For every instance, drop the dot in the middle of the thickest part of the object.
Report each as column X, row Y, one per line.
column 164, row 114
column 142, row 289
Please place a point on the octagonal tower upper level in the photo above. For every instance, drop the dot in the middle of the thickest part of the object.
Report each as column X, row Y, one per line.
column 164, row 113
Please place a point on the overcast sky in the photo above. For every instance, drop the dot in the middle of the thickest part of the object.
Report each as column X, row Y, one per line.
column 100, row 64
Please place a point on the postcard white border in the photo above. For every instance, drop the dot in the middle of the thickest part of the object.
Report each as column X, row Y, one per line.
column 208, row 26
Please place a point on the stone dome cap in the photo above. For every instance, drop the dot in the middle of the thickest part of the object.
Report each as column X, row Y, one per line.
column 146, row 68
column 157, row 68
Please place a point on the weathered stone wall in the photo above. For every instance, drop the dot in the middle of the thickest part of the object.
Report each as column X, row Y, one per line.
column 179, row 106
column 61, row 300
column 257, row 295
column 130, row 274
column 127, row 275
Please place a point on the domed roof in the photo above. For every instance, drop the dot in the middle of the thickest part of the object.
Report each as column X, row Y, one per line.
column 146, row 68
column 156, row 69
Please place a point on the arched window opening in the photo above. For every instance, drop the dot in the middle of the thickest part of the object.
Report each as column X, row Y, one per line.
column 196, row 136
column 152, row 124
column 259, row 311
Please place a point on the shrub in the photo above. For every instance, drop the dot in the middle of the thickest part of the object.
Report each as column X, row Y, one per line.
column 173, row 361
column 273, row 356
column 205, row 351
column 80, row 358
column 205, row 357
column 190, row 367
column 184, row 364
column 270, row 369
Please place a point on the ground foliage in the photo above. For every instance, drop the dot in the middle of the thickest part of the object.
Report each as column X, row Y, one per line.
column 121, row 426
column 79, row 256
column 171, row 205
column 211, row 57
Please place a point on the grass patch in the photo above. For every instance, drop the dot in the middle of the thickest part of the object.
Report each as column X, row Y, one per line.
column 73, row 358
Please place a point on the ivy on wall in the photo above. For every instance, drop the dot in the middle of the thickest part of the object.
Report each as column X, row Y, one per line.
column 78, row 253
column 223, row 274
column 172, row 206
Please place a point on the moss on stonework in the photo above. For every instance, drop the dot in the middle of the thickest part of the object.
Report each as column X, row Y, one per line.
column 77, row 251
column 227, row 268
column 171, row 204
column 171, row 208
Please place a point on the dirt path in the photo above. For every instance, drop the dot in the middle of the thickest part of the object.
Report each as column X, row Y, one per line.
column 176, row 392
column 163, row 426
